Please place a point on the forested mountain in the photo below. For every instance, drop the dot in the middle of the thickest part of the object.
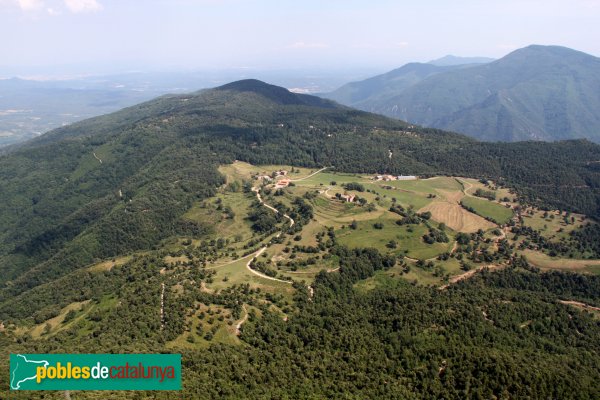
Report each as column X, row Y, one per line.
column 120, row 182
column 361, row 94
column 535, row 93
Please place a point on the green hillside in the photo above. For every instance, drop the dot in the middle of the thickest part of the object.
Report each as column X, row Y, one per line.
column 61, row 207
column 389, row 84
column 144, row 231
column 535, row 93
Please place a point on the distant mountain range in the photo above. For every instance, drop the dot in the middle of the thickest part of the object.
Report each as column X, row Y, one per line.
column 534, row 93
column 451, row 60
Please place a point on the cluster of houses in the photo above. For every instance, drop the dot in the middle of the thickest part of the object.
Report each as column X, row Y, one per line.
column 279, row 177
column 388, row 178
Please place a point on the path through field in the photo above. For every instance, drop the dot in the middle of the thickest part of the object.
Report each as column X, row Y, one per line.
column 239, row 324
column 470, row 274
column 96, row 157
column 262, row 250
column 232, row 261
column 579, row 305
column 309, row 176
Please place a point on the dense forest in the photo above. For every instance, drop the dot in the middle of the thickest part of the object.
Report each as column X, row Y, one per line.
column 499, row 335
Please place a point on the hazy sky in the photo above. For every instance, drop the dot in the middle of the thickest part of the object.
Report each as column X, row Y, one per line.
column 158, row 34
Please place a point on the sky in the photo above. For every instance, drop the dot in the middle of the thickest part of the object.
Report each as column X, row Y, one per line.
column 120, row 35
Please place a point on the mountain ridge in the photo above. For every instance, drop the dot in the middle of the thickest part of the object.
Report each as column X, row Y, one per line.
column 534, row 93
column 121, row 182
column 456, row 60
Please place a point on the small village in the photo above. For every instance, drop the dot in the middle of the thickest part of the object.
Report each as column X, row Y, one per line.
column 280, row 179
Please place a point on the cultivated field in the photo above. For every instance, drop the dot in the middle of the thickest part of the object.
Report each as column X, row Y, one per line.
column 456, row 217
column 489, row 209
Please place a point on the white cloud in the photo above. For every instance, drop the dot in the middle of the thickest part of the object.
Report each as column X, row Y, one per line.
column 304, row 45
column 54, row 7
column 83, row 6
column 30, row 5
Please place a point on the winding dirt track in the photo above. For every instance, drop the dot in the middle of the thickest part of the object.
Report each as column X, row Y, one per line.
column 233, row 261
column 96, row 157
column 470, row 274
column 579, row 304
column 239, row 324
column 263, row 249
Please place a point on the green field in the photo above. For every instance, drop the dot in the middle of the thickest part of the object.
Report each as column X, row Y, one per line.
column 325, row 178
column 410, row 244
column 236, row 273
column 208, row 214
column 489, row 209
column 553, row 223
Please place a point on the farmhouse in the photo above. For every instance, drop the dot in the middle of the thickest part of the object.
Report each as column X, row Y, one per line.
column 348, row 197
column 386, row 178
column 265, row 178
column 282, row 183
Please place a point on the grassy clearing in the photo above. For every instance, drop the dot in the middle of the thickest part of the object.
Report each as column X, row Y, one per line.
column 336, row 213
column 236, row 273
column 205, row 319
column 553, row 226
column 405, row 197
column 546, row 262
column 395, row 275
column 110, row 264
column 489, row 209
column 55, row 323
column 456, row 217
column 238, row 227
column 428, row 185
column 381, row 279
column 325, row 178
column 409, row 243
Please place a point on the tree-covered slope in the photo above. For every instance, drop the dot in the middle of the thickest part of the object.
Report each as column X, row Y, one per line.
column 121, row 182
column 535, row 93
column 361, row 94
